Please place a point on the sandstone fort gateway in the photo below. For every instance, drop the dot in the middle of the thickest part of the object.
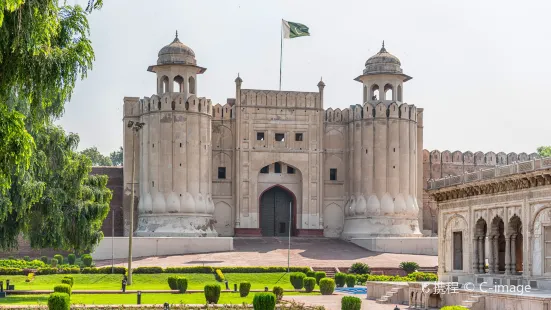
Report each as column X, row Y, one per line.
column 267, row 159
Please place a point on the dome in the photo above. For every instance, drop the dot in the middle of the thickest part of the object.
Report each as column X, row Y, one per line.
column 176, row 53
column 383, row 62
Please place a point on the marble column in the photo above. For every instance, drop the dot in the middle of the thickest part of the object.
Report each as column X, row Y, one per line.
column 513, row 254
column 507, row 254
column 496, row 254
column 476, row 247
column 491, row 254
column 481, row 254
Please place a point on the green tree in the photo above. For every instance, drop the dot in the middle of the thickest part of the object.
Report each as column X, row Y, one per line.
column 116, row 157
column 96, row 157
column 544, row 151
column 45, row 191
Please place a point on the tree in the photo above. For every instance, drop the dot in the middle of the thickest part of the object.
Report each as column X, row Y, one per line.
column 544, row 151
column 116, row 157
column 96, row 157
column 45, row 190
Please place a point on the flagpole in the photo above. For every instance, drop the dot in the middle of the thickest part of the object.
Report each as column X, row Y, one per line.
column 281, row 54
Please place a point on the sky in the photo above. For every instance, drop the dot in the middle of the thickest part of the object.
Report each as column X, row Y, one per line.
column 480, row 68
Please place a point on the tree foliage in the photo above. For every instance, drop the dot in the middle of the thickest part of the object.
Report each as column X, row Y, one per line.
column 544, row 151
column 45, row 191
column 116, row 157
column 96, row 157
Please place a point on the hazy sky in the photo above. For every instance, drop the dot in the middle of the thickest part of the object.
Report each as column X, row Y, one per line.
column 480, row 69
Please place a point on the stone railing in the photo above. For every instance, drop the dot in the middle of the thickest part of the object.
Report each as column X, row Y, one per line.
column 485, row 174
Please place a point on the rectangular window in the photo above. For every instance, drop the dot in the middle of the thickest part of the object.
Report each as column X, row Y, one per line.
column 260, row 136
column 457, row 250
column 290, row 170
column 547, row 248
column 333, row 174
column 266, row 169
column 277, row 168
column 282, row 229
column 280, row 137
column 221, row 172
column 298, row 136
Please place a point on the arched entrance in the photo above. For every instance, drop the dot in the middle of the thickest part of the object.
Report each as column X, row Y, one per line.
column 277, row 208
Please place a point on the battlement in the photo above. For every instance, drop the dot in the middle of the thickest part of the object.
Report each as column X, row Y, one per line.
column 478, row 158
column 170, row 101
column 369, row 111
column 222, row 112
column 281, row 99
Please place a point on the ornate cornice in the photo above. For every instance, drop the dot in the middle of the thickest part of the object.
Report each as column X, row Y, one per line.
column 493, row 186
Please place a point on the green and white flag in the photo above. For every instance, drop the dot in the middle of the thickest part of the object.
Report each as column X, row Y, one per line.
column 294, row 30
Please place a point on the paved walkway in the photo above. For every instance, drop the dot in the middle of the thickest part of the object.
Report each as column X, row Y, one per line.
column 318, row 252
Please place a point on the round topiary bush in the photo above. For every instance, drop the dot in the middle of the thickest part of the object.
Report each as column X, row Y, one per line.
column 409, row 267
column 244, row 289
column 351, row 303
column 359, row 268
column 53, row 262
column 62, row 288
column 319, row 275
column 172, row 283
column 44, row 259
column 327, row 286
column 264, row 301
column 350, row 280
column 71, row 259
column 59, row 258
column 278, row 292
column 212, row 293
column 87, row 260
column 297, row 280
column 67, row 281
column 309, row 284
column 181, row 284
column 59, row 301
column 311, row 274
column 340, row 279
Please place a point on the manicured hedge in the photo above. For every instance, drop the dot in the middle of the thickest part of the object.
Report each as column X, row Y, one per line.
column 412, row 277
column 309, row 284
column 264, row 301
column 244, row 289
column 327, row 286
column 104, row 270
column 21, row 263
column 351, row 303
column 311, row 274
column 62, row 288
column 181, row 284
column 87, row 260
column 319, row 275
column 340, row 279
column 263, row 269
column 172, row 283
column 297, row 280
column 71, row 258
column 59, row 301
column 212, row 293
column 67, row 281
column 8, row 271
column 196, row 269
column 350, row 280
column 148, row 270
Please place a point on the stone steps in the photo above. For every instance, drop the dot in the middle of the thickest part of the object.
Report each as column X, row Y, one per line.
column 387, row 297
column 475, row 302
column 329, row 271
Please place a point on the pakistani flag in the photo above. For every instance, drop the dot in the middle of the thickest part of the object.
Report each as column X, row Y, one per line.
column 293, row 30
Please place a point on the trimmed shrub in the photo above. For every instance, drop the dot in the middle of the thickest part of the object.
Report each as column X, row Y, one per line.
column 68, row 270
column 319, row 275
column 197, row 269
column 244, row 289
column 264, row 301
column 53, row 262
column 59, row 258
column 309, row 284
column 311, row 274
column 27, row 258
column 453, row 308
column 87, row 260
column 327, row 286
column 181, row 284
column 67, row 281
column 20, row 263
column 44, row 259
column 423, row 276
column 62, row 288
column 11, row 271
column 409, row 267
column 359, row 268
column 59, row 301
column 71, row 279
column 71, row 258
column 247, row 269
column 147, row 270
column 297, row 280
column 362, row 278
column 219, row 275
column 351, row 303
column 212, row 293
column 350, row 280
column 172, row 283
column 278, row 292
column 340, row 279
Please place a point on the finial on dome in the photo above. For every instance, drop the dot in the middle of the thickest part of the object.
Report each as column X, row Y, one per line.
column 321, row 84
column 238, row 79
column 177, row 38
column 383, row 49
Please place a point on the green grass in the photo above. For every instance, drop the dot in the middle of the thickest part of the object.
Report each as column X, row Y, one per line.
column 130, row 299
column 196, row 281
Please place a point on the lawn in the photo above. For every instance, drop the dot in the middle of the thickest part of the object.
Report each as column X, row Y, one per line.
column 196, row 281
column 130, row 299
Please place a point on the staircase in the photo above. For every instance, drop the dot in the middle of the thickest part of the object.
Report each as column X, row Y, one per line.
column 475, row 302
column 329, row 271
column 389, row 296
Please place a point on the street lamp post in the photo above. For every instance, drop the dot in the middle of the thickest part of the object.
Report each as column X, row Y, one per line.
column 135, row 126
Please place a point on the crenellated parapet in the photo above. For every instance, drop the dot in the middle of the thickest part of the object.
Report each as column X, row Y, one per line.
column 222, row 112
column 280, row 99
column 370, row 111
